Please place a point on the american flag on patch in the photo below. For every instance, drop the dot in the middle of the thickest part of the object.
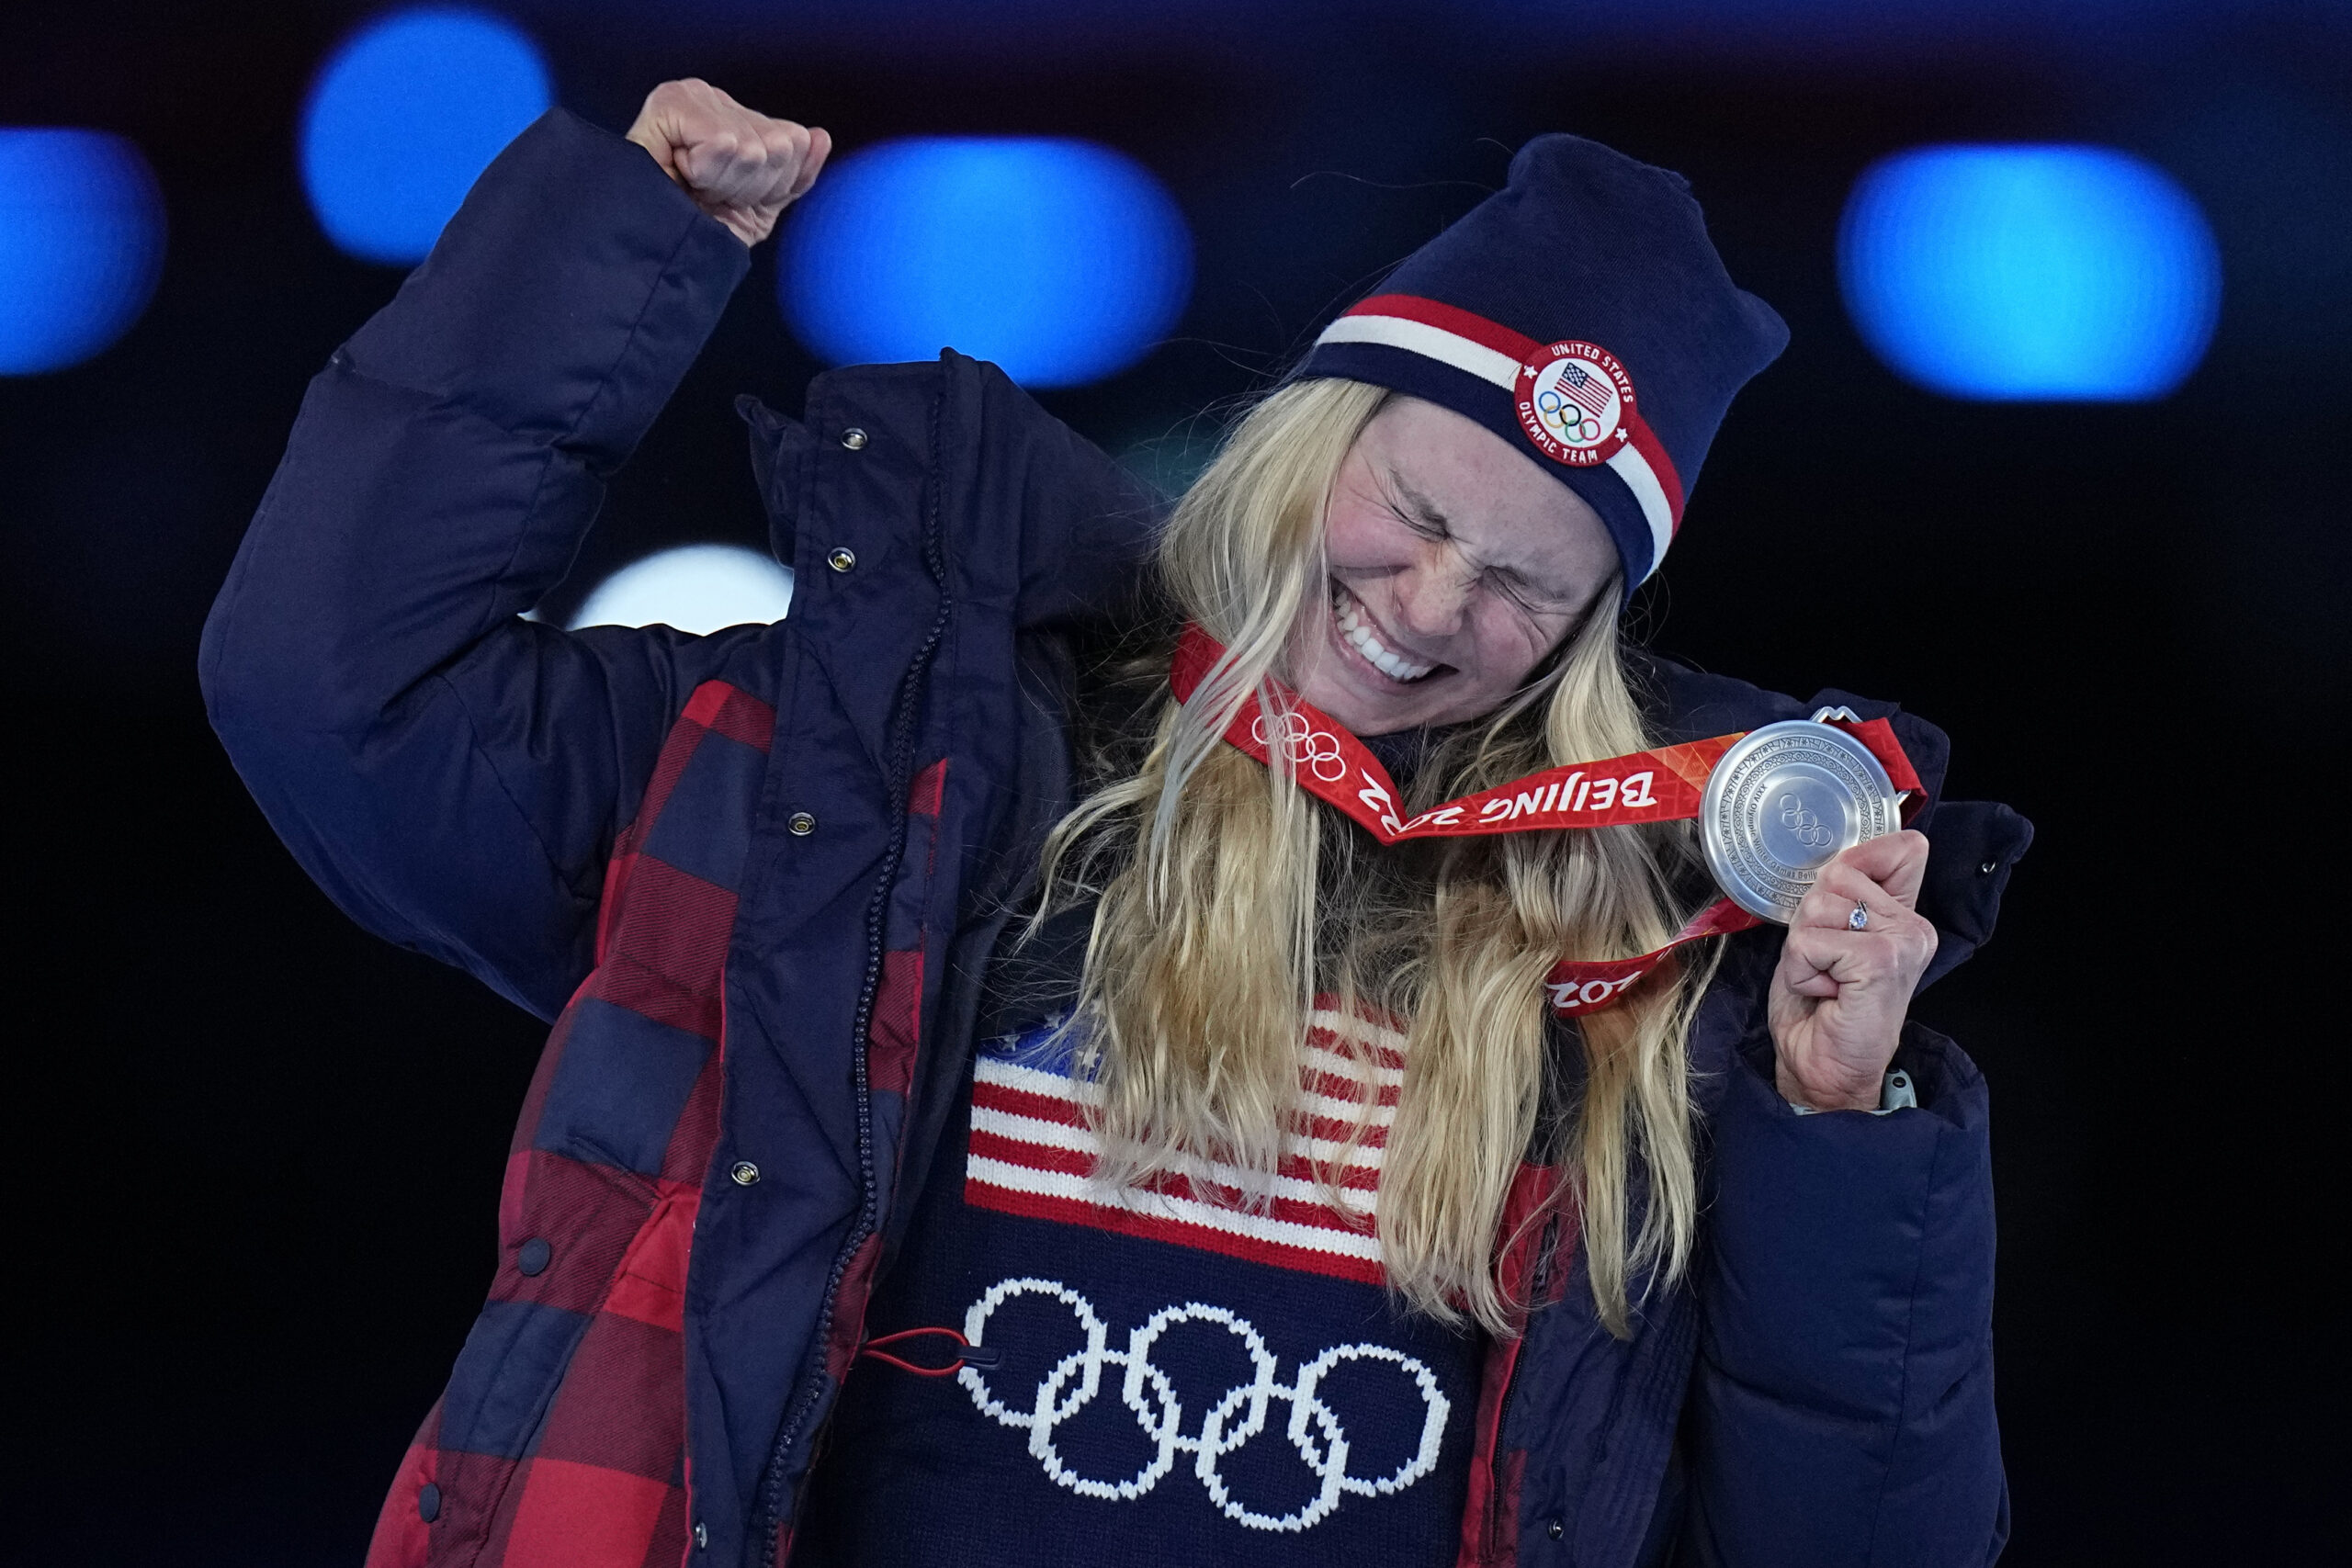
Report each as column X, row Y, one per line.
column 1032, row 1154
column 1589, row 390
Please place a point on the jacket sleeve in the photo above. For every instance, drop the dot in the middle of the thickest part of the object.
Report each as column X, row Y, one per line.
column 451, row 775
column 1841, row 1406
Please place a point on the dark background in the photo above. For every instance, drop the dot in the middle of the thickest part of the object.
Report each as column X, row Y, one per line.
column 256, row 1152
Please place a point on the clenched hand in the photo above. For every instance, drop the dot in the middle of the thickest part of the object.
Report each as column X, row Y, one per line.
column 741, row 167
column 1840, row 995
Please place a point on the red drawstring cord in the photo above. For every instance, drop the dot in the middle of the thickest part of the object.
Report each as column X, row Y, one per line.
column 967, row 1353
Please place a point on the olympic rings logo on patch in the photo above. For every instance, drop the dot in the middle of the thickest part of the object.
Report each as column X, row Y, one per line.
column 1304, row 746
column 1238, row 1415
column 1576, row 403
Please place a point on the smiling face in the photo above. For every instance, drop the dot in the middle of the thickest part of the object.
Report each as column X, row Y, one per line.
column 1455, row 566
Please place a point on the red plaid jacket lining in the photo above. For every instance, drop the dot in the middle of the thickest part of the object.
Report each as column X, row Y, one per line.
column 579, row 1358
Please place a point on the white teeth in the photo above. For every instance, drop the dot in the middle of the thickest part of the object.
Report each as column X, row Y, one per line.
column 1357, row 630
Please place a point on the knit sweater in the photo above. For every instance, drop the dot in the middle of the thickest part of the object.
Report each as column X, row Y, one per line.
column 1175, row 1375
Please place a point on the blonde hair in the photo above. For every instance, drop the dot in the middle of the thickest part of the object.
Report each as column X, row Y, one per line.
column 1227, row 899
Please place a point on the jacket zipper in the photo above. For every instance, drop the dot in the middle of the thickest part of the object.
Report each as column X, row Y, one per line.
column 1535, row 1283
column 908, row 704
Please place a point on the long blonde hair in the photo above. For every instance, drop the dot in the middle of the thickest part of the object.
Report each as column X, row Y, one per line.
column 1227, row 899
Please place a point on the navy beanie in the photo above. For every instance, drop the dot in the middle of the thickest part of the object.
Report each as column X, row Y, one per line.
column 1581, row 314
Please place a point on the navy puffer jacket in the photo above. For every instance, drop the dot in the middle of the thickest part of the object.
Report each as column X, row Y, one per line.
column 754, row 879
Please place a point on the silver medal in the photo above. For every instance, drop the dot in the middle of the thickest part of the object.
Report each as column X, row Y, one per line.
column 1783, row 802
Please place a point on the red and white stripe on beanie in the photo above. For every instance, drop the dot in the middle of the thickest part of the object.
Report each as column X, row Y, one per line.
column 1573, row 401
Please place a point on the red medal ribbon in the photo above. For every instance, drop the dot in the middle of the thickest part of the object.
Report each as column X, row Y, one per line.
column 1660, row 785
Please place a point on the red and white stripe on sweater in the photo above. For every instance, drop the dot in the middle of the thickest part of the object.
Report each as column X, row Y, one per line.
column 1033, row 1153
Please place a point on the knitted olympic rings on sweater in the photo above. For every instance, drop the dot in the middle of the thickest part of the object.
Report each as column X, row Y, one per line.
column 1314, row 1429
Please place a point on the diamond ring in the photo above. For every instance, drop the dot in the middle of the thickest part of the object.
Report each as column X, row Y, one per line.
column 1860, row 920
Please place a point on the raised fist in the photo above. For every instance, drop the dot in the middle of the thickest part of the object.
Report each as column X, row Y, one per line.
column 742, row 168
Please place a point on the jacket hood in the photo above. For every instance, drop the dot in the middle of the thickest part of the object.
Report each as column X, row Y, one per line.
column 1088, row 524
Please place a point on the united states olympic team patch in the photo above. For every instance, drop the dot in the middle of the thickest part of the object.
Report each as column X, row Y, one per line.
column 1574, row 402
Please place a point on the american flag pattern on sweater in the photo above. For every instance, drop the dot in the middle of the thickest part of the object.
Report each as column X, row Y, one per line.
column 1031, row 1153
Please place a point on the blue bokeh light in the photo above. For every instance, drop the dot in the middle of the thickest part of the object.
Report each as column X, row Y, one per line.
column 81, row 244
column 2044, row 273
column 403, row 117
column 695, row 588
column 1062, row 261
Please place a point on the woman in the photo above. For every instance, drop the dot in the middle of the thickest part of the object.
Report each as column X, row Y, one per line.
column 998, row 1106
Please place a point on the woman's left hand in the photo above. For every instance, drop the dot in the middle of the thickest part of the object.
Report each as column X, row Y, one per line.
column 1840, row 995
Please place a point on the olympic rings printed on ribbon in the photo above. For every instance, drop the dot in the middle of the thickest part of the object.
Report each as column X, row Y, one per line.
column 1239, row 1414
column 1304, row 746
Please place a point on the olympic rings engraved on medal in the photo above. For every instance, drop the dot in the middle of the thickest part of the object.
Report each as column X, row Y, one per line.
column 1238, row 1415
column 1783, row 799
column 1803, row 825
column 1303, row 745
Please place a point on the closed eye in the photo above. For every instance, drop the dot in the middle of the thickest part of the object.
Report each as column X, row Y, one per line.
column 1424, row 517
column 1525, row 595
column 1418, row 525
column 1415, row 511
